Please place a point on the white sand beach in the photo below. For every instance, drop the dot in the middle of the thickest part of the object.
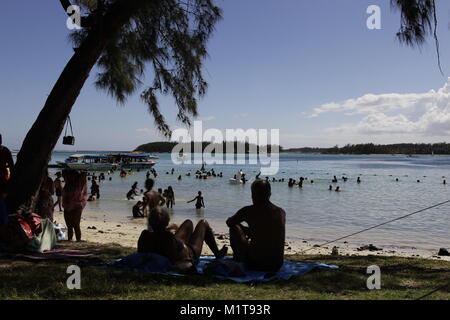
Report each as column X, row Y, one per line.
column 127, row 234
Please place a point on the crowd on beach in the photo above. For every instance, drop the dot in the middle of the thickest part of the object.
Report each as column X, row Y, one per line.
column 259, row 243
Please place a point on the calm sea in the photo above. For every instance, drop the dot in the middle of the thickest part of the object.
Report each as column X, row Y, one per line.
column 313, row 213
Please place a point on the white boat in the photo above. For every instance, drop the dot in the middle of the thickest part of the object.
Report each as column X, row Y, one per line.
column 134, row 160
column 89, row 162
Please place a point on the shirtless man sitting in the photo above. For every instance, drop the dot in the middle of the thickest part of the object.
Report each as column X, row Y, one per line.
column 152, row 198
column 260, row 245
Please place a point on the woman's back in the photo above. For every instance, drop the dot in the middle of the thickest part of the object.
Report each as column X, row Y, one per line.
column 162, row 243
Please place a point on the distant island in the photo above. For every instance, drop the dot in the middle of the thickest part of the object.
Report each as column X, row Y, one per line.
column 167, row 147
column 370, row 148
column 366, row 148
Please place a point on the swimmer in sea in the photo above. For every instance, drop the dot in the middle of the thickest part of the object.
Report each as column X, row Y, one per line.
column 358, row 180
column 337, row 189
column 330, row 188
column 200, row 203
column 291, row 182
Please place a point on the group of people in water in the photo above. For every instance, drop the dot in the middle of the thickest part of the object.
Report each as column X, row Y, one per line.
column 166, row 197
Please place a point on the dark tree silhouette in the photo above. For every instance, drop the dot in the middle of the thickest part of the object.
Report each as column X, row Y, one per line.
column 418, row 20
column 127, row 39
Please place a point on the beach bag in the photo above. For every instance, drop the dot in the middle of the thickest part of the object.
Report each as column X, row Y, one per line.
column 69, row 140
column 60, row 231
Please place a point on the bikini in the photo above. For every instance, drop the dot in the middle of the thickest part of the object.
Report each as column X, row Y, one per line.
column 180, row 250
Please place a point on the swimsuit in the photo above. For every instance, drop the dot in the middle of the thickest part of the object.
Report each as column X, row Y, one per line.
column 180, row 250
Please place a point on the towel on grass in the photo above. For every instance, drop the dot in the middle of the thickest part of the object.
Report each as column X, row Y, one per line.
column 54, row 254
column 223, row 269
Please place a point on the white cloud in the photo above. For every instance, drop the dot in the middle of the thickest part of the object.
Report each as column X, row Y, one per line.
column 419, row 114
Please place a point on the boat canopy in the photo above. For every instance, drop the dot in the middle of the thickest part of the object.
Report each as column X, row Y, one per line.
column 132, row 155
column 89, row 156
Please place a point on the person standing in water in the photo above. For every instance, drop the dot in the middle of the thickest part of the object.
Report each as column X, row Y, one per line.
column 200, row 203
column 133, row 191
column 95, row 189
column 170, row 197
column 152, row 198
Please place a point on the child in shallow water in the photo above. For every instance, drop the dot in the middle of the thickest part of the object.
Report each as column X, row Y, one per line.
column 200, row 203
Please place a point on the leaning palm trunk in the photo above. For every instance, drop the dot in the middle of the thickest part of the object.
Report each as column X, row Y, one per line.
column 35, row 153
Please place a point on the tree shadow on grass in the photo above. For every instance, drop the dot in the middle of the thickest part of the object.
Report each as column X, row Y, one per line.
column 47, row 279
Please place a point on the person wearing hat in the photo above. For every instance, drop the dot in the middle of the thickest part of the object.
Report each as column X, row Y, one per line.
column 58, row 191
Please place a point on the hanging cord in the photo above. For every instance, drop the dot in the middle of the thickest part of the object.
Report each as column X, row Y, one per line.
column 378, row 225
column 434, row 291
column 68, row 123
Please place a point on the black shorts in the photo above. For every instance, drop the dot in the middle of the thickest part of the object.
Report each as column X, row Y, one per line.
column 58, row 193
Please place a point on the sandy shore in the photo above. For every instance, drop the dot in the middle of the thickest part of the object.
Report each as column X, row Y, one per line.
column 127, row 234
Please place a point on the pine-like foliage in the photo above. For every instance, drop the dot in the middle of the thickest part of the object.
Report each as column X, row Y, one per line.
column 418, row 20
column 165, row 39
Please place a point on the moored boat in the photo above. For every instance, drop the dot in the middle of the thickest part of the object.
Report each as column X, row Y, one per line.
column 134, row 160
column 89, row 162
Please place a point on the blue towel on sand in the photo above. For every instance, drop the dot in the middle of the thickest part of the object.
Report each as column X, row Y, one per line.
column 223, row 269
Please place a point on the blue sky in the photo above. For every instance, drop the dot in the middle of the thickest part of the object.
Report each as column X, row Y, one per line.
column 309, row 68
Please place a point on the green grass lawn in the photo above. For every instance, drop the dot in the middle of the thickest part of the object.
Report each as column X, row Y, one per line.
column 401, row 278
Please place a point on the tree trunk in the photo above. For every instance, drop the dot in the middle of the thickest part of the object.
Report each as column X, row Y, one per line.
column 35, row 153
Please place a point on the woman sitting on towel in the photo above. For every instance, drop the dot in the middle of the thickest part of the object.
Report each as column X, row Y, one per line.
column 184, row 247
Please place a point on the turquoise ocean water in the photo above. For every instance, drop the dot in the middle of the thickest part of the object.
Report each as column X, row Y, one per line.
column 313, row 213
